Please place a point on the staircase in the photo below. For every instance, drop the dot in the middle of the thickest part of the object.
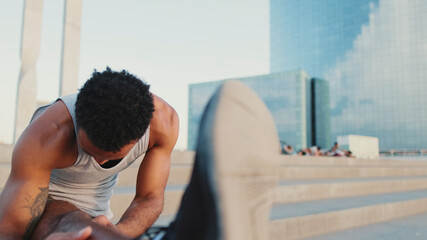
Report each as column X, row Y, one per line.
column 321, row 197
column 318, row 198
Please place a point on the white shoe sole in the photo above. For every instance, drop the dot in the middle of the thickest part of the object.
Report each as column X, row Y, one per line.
column 246, row 167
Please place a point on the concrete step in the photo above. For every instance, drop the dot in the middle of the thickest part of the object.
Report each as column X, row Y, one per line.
column 182, row 157
column 187, row 157
column 178, row 157
column 4, row 173
column 293, row 191
column 307, row 219
column 342, row 172
column 180, row 169
column 412, row 227
column 294, row 219
column 311, row 190
column 297, row 191
column 123, row 196
column 179, row 174
column 346, row 161
column 164, row 220
column 5, row 153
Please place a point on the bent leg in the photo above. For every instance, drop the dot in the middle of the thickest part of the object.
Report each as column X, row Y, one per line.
column 62, row 216
column 236, row 169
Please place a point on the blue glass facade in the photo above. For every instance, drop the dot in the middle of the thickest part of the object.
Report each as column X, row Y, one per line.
column 286, row 94
column 373, row 53
column 320, row 114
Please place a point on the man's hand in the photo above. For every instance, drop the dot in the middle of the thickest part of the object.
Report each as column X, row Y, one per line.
column 83, row 234
column 103, row 221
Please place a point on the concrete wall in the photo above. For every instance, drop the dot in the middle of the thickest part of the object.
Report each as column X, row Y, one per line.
column 5, row 153
column 178, row 157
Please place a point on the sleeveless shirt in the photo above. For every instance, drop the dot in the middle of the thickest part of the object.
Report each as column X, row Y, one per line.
column 86, row 184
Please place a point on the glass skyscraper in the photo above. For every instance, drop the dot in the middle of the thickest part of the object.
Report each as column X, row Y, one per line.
column 288, row 96
column 373, row 53
column 320, row 113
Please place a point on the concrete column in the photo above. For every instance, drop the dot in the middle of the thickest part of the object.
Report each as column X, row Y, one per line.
column 26, row 101
column 70, row 47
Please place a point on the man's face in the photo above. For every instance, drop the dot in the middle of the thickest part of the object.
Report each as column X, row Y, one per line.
column 100, row 155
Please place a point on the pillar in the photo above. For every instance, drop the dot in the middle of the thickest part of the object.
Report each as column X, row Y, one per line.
column 26, row 99
column 70, row 47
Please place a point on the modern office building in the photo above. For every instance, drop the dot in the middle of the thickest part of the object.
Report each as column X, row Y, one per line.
column 320, row 114
column 287, row 96
column 373, row 53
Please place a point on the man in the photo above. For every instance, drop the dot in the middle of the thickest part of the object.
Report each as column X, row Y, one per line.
column 235, row 173
column 65, row 164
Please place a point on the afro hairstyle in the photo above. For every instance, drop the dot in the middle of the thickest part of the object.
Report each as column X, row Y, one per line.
column 114, row 108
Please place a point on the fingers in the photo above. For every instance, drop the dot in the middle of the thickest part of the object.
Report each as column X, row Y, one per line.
column 103, row 220
column 83, row 234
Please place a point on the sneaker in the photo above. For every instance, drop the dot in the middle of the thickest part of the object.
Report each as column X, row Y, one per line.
column 236, row 170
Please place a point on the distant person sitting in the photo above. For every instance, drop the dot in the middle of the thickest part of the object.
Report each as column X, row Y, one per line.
column 288, row 150
column 311, row 151
column 336, row 151
column 315, row 151
column 334, row 148
column 348, row 153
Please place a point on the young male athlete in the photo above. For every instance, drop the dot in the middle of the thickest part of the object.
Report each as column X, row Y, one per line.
column 65, row 164
column 233, row 181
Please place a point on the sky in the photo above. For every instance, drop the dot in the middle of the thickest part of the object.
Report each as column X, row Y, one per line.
column 169, row 44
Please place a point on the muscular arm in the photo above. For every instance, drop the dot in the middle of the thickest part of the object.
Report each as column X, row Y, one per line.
column 24, row 196
column 153, row 173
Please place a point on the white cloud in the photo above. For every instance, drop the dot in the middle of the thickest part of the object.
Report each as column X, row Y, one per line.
column 386, row 67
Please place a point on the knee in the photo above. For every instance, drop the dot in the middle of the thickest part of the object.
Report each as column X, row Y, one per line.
column 67, row 220
column 102, row 220
column 55, row 213
column 59, row 214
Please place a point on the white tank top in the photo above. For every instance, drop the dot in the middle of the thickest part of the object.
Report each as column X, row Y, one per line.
column 86, row 184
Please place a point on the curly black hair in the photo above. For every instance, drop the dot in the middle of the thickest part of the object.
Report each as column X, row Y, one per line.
column 114, row 108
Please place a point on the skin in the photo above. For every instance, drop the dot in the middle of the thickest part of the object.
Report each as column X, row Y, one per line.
column 62, row 220
column 50, row 142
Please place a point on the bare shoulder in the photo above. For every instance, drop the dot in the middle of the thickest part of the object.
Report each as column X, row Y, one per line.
column 49, row 141
column 164, row 126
